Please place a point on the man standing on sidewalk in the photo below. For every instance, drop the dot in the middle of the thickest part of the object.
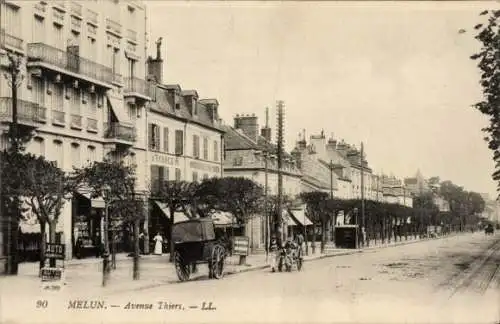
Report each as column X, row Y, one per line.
column 273, row 252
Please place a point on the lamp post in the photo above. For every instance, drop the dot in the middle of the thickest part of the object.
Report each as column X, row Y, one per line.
column 331, row 166
column 105, row 260
column 14, row 80
column 266, row 212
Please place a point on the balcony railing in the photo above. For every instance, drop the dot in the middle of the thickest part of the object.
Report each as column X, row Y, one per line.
column 76, row 9
column 113, row 26
column 58, row 117
column 59, row 4
column 136, row 85
column 71, row 62
column 92, row 16
column 91, row 125
column 10, row 40
column 119, row 131
column 27, row 112
column 76, row 121
column 132, row 35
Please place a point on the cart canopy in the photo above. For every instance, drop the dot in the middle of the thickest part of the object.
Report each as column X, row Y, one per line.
column 194, row 230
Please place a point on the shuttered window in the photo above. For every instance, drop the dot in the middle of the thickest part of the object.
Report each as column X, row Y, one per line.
column 165, row 139
column 179, row 142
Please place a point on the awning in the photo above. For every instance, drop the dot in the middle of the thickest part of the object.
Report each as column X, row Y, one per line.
column 299, row 216
column 97, row 202
column 178, row 216
column 118, row 109
column 223, row 219
column 29, row 227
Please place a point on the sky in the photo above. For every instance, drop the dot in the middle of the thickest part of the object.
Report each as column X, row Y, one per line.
column 395, row 76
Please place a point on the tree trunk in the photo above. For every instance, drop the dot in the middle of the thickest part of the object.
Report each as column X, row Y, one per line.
column 52, row 238
column 136, row 273
column 243, row 258
column 42, row 245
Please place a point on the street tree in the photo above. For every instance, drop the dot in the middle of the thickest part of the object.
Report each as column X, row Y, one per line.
column 115, row 181
column 317, row 210
column 488, row 60
column 177, row 196
column 241, row 197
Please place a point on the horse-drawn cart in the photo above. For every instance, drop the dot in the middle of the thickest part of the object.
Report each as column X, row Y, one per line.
column 195, row 243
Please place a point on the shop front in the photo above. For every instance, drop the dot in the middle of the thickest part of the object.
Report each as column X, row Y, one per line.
column 87, row 225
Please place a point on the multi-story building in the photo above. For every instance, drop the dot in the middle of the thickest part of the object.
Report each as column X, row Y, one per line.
column 394, row 191
column 84, row 89
column 245, row 155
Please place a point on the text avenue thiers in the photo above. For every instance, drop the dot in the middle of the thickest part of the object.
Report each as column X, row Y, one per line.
column 160, row 305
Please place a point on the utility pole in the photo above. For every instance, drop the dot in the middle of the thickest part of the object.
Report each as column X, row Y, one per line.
column 362, row 194
column 266, row 212
column 14, row 78
column 280, row 144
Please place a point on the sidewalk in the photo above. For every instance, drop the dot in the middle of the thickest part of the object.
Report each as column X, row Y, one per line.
column 84, row 277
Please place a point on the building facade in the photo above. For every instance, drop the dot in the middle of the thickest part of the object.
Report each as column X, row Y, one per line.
column 250, row 155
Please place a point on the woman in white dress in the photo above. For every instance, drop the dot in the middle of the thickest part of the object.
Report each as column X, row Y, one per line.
column 158, row 244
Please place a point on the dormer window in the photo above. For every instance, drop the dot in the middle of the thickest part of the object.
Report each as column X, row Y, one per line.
column 177, row 106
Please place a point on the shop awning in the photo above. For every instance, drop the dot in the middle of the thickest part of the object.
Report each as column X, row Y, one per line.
column 29, row 227
column 97, row 202
column 223, row 219
column 118, row 109
column 299, row 216
column 178, row 216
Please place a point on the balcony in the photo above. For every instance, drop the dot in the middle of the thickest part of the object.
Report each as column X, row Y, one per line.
column 6, row 39
column 61, row 5
column 113, row 27
column 92, row 125
column 92, row 17
column 121, row 133
column 76, row 24
column 58, row 16
column 132, row 35
column 137, row 88
column 76, row 121
column 58, row 118
column 28, row 113
column 40, row 54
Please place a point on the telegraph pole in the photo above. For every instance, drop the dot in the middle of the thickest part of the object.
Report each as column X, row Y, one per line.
column 266, row 212
column 362, row 194
column 280, row 143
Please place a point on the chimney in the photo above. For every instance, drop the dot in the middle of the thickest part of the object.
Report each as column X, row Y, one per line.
column 332, row 144
column 319, row 143
column 155, row 65
column 212, row 108
column 248, row 124
column 266, row 133
column 191, row 98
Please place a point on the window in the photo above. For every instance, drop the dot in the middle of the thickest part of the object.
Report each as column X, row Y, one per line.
column 75, row 155
column 155, row 178
column 131, row 67
column 57, row 37
column 195, row 176
column 196, row 146
column 38, row 90
column 91, row 154
column 75, row 101
column 216, row 151
column 59, row 153
column 12, row 20
column 154, row 137
column 58, row 97
column 38, row 30
column 115, row 59
column 166, row 174
column 205, row 148
column 132, row 111
column 91, row 48
column 165, row 139
column 39, row 146
column 93, row 104
column 179, row 142
column 4, row 142
column 205, row 176
column 178, row 174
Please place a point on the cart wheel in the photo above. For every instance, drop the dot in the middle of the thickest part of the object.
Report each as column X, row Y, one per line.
column 217, row 262
column 183, row 270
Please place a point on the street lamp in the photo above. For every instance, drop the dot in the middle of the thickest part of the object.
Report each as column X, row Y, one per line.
column 106, row 190
column 14, row 80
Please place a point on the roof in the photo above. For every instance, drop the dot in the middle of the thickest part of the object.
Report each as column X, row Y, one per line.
column 163, row 105
column 234, row 140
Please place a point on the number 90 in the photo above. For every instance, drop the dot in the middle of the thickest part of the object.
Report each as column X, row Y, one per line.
column 41, row 304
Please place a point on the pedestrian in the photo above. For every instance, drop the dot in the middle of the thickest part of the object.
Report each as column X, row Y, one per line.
column 158, row 244
column 300, row 243
column 273, row 252
column 141, row 242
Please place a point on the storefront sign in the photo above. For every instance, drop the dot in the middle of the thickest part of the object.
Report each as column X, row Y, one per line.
column 165, row 159
column 240, row 245
column 54, row 251
column 51, row 274
column 204, row 166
